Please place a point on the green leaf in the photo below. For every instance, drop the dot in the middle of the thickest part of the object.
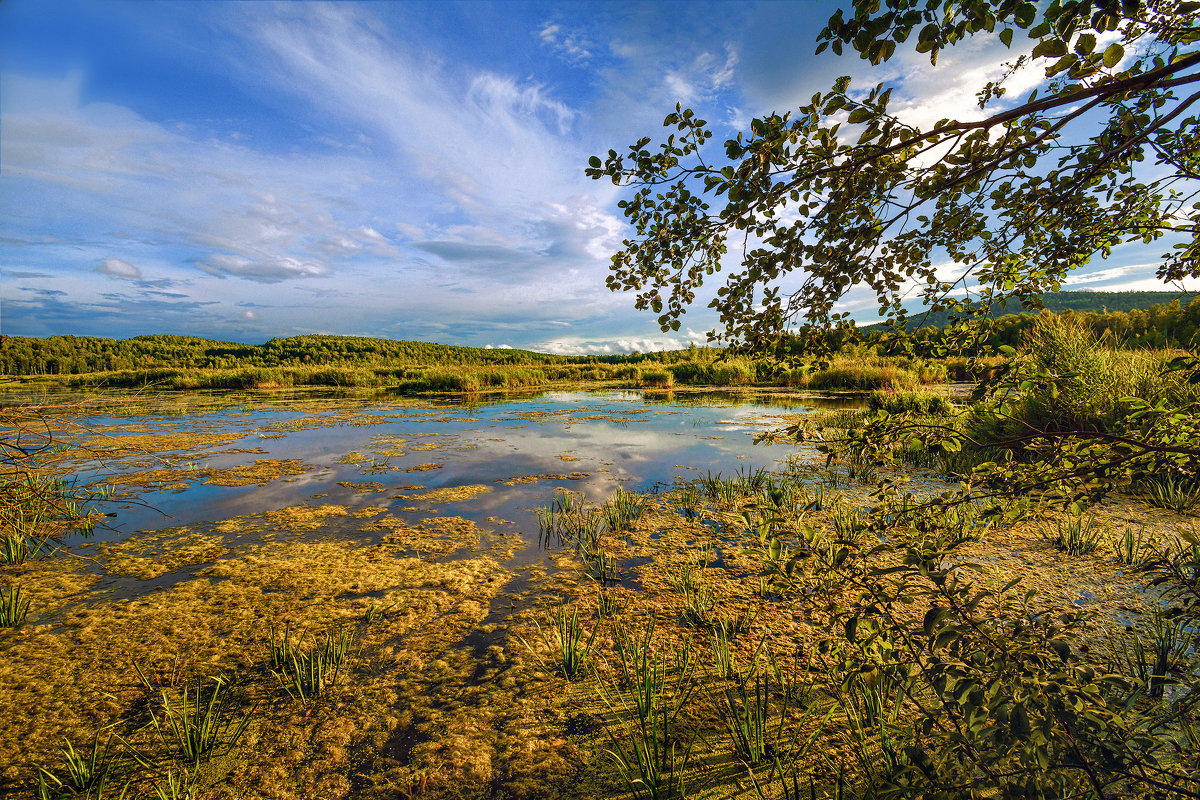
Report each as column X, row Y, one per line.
column 859, row 115
column 1113, row 55
column 595, row 162
column 1006, row 36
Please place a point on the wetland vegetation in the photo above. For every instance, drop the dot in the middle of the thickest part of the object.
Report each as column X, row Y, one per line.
column 607, row 593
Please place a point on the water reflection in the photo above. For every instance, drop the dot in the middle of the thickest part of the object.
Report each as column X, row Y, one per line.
column 360, row 454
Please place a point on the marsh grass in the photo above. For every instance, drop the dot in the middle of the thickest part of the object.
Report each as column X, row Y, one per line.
column 13, row 607
column 651, row 691
column 1177, row 493
column 17, row 547
column 1075, row 536
column 201, row 725
column 308, row 673
column 171, row 787
column 623, row 509
column 690, row 501
column 1169, row 650
column 82, row 774
column 569, row 654
column 1128, row 545
column 698, row 598
column 757, row 721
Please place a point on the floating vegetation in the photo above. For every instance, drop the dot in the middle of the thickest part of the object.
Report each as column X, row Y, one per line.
column 760, row 635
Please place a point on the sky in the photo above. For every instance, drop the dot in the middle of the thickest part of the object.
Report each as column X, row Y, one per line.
column 407, row 170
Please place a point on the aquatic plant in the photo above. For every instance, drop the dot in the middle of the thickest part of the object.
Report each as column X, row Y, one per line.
column 623, row 509
column 753, row 480
column 720, row 490
column 84, row 773
column 374, row 612
column 17, row 547
column 861, row 471
column 1173, row 492
column 173, row 788
column 602, row 568
column 647, row 756
column 698, row 599
column 1127, row 547
column 1074, row 536
column 690, row 500
column 13, row 607
column 307, row 673
column 1169, row 651
column 569, row 655
column 756, row 722
column 202, row 724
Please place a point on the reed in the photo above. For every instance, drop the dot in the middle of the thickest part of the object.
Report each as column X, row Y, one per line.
column 649, row 757
column 202, row 724
column 1076, row 537
column 569, row 655
column 13, row 607
column 82, row 774
column 309, row 673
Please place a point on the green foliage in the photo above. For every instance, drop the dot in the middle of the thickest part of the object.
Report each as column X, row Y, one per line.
column 845, row 193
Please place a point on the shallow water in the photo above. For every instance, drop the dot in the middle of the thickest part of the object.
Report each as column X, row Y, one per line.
column 359, row 454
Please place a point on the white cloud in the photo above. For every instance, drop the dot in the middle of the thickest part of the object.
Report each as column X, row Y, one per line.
column 573, row 47
column 119, row 268
column 578, row 345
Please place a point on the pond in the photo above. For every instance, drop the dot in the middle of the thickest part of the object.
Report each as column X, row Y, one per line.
column 254, row 456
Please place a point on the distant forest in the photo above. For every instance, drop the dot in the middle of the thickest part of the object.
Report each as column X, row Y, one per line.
column 1128, row 319
column 1090, row 302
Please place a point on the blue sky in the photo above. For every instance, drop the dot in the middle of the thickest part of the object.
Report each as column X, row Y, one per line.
column 405, row 170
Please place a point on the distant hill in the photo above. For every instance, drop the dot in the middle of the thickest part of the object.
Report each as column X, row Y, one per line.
column 1094, row 302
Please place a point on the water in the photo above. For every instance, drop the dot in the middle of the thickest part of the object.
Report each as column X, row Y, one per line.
column 358, row 454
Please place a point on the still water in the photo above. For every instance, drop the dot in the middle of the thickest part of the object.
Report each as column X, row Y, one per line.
column 175, row 468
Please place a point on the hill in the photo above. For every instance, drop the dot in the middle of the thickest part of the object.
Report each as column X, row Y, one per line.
column 1090, row 302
